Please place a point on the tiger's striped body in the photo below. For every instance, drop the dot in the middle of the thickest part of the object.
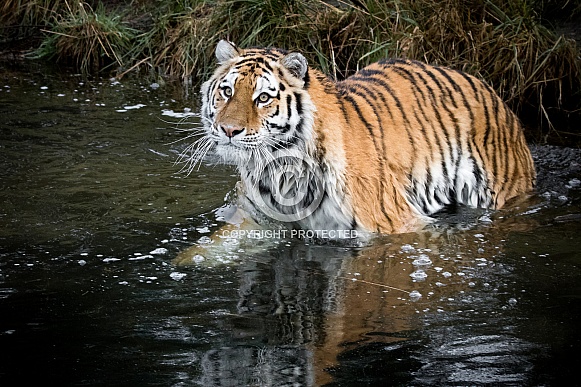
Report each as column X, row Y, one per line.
column 394, row 143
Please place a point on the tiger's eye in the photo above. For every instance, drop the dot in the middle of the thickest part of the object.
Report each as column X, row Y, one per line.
column 227, row 91
column 263, row 98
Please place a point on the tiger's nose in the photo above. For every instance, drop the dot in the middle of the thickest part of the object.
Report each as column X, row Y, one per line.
column 231, row 131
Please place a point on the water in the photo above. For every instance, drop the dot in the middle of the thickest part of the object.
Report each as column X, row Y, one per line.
column 93, row 211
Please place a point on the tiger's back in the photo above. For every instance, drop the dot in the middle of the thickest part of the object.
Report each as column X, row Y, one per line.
column 442, row 135
column 393, row 144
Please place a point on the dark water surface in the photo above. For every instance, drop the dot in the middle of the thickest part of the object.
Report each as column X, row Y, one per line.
column 93, row 211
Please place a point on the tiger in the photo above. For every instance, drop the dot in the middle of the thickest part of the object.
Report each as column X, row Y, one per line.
column 380, row 152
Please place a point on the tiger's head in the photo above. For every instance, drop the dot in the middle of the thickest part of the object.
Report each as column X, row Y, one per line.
column 256, row 103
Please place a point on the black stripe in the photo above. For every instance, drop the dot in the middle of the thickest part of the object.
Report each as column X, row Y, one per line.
column 307, row 79
column 446, row 74
column 446, row 143
column 254, row 59
column 355, row 106
column 366, row 96
column 399, row 105
column 500, row 148
column 511, row 148
column 487, row 145
column 470, row 80
column 429, row 158
column 473, row 149
column 442, row 87
column 289, row 112
column 282, row 129
column 299, row 104
column 353, row 223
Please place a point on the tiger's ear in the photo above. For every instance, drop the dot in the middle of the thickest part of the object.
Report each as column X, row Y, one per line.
column 226, row 51
column 296, row 63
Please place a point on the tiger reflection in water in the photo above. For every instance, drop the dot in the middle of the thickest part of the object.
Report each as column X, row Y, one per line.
column 303, row 309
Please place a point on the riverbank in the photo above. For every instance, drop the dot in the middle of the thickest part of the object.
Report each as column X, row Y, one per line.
column 526, row 50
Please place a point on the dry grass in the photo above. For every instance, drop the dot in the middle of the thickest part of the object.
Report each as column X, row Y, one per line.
column 85, row 37
column 505, row 43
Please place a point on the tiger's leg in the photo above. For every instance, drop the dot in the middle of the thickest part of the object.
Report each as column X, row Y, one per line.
column 224, row 245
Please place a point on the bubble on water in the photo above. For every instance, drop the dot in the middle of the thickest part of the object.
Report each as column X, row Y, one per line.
column 563, row 198
column 140, row 257
column 415, row 295
column 485, row 219
column 111, row 260
column 159, row 251
column 177, row 276
column 43, row 87
column 447, row 274
column 422, row 260
column 574, row 183
column 154, row 85
column 419, row 275
column 198, row 258
column 82, row 262
column 171, row 113
column 512, row 301
column 204, row 240
column 407, row 248
column 203, row 230
column 133, row 107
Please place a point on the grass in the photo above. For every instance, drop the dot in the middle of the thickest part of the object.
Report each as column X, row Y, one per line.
column 85, row 37
column 512, row 45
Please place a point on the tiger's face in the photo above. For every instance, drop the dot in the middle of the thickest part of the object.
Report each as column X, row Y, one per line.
column 255, row 103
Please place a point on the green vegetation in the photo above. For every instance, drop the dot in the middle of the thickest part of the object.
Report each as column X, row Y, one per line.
column 512, row 45
column 87, row 38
